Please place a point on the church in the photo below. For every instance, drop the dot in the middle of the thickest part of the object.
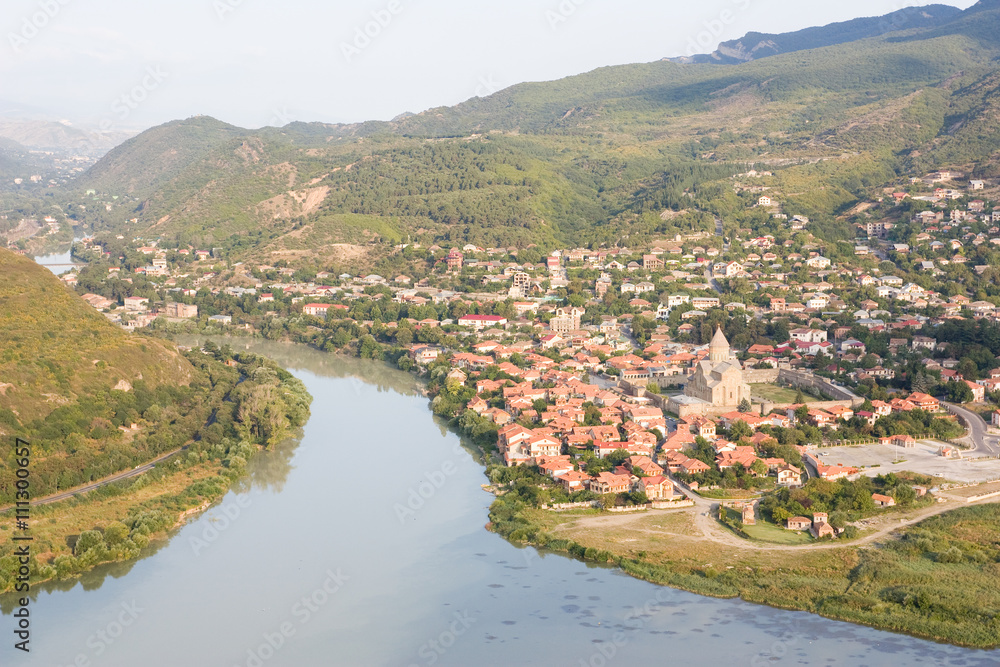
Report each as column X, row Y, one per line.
column 719, row 379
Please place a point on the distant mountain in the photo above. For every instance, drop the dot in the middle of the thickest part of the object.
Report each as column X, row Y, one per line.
column 592, row 158
column 59, row 137
column 757, row 45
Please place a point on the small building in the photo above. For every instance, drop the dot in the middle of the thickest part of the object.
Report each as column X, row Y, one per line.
column 798, row 523
column 883, row 501
column 821, row 530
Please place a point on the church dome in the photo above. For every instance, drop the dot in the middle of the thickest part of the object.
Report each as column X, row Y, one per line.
column 718, row 349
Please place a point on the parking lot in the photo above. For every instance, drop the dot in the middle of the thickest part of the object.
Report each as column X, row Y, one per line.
column 924, row 459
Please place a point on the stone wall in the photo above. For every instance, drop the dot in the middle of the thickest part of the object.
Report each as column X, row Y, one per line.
column 761, row 376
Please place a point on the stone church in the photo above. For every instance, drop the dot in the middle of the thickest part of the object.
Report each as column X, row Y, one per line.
column 718, row 380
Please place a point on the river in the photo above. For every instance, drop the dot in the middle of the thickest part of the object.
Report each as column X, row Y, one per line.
column 363, row 543
column 58, row 262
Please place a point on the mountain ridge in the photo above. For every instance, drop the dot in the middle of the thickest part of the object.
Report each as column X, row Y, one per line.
column 755, row 45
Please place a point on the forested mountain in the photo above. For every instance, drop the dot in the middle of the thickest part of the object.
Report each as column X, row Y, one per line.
column 588, row 159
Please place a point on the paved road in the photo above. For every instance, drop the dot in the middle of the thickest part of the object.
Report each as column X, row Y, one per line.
column 719, row 233
column 710, row 280
column 65, row 495
column 982, row 442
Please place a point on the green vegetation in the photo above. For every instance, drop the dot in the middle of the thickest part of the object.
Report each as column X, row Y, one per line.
column 844, row 500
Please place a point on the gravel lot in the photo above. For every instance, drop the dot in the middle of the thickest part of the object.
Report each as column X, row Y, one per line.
column 923, row 459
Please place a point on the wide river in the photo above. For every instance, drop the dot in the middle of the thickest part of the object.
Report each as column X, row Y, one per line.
column 363, row 543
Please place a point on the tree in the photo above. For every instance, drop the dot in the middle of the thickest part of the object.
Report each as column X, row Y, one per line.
column 801, row 413
column 89, row 539
column 745, row 405
column 799, row 396
column 739, row 430
column 959, row 392
column 968, row 369
column 758, row 468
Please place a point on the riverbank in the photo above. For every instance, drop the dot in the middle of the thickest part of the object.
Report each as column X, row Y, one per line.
column 119, row 520
column 935, row 581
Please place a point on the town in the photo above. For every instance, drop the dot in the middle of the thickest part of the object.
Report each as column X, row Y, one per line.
column 610, row 371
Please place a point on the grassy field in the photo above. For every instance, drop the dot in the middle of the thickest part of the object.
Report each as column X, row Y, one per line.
column 777, row 394
column 768, row 532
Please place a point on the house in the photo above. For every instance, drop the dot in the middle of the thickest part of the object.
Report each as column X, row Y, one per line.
column 136, row 303
column 798, row 523
column 883, row 501
column 574, row 481
column 183, row 310
column 656, row 487
column 480, row 322
column 789, row 476
column 764, row 200
column 316, row 309
column 607, row 482
column 824, row 529
column 807, row 335
column 906, row 441
column 924, row 402
column 454, row 259
column 694, row 466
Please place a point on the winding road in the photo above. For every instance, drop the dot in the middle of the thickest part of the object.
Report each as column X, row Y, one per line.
column 982, row 442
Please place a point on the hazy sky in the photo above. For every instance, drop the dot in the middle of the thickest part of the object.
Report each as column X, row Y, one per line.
column 133, row 64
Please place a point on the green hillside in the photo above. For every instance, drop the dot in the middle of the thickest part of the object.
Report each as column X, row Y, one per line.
column 586, row 159
column 69, row 379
